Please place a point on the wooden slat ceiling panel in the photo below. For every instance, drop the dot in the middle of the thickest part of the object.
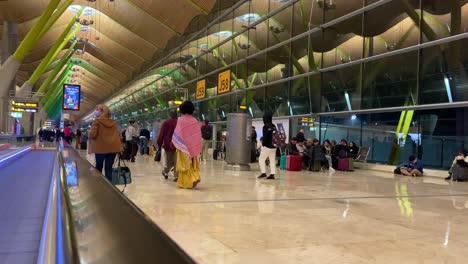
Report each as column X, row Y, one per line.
column 135, row 19
column 103, row 66
column 206, row 5
column 31, row 66
column 125, row 36
column 170, row 12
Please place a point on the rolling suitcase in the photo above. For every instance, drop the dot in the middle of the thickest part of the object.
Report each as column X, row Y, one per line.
column 294, row 163
column 343, row 164
column 84, row 145
column 215, row 154
column 283, row 162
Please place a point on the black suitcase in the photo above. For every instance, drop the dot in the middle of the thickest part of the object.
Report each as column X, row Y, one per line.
column 127, row 151
column 84, row 145
column 215, row 154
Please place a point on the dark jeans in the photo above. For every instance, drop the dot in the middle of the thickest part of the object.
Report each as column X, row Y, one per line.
column 143, row 146
column 106, row 160
column 133, row 146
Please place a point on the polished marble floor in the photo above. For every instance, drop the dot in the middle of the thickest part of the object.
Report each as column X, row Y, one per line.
column 305, row 217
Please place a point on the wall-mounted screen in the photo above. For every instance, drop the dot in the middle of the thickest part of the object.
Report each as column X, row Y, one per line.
column 71, row 97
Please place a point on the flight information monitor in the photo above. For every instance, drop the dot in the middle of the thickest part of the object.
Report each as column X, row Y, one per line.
column 71, row 97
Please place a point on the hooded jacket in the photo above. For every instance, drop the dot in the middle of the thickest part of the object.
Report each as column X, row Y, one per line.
column 104, row 137
column 268, row 130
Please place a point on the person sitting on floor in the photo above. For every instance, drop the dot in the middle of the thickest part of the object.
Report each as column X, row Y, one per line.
column 413, row 168
column 461, row 160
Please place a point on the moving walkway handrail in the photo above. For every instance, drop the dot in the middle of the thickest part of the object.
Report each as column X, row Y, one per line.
column 100, row 224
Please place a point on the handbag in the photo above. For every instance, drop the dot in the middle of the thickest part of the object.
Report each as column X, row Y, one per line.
column 157, row 156
column 121, row 175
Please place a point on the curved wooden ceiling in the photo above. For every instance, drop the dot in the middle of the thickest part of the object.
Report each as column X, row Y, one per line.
column 125, row 37
column 129, row 34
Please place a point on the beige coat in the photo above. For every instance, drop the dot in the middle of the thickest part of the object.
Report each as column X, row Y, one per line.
column 104, row 137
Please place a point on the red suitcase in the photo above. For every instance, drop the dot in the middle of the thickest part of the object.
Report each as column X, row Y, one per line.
column 294, row 163
column 343, row 164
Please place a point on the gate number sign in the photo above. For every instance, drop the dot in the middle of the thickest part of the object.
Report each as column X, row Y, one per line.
column 201, row 88
column 224, row 82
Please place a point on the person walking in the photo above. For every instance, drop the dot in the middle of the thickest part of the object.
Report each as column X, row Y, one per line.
column 165, row 141
column 67, row 133
column 104, row 140
column 187, row 140
column 143, row 140
column 78, row 139
column 268, row 148
column 207, row 134
column 131, row 137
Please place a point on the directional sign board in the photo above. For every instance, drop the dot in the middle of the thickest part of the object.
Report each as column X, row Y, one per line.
column 24, row 106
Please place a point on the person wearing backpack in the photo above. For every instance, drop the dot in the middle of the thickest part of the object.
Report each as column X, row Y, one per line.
column 207, row 135
column 268, row 148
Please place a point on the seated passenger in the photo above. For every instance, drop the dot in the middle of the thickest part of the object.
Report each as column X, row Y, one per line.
column 353, row 150
column 292, row 147
column 342, row 149
column 413, row 168
column 317, row 155
column 308, row 144
column 328, row 154
column 460, row 160
column 302, row 149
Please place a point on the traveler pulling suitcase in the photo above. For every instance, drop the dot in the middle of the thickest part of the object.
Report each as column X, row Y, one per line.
column 294, row 163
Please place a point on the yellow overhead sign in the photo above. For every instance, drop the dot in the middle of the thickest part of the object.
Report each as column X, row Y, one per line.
column 224, row 82
column 201, row 89
column 24, row 104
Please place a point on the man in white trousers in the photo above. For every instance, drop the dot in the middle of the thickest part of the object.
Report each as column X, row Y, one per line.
column 268, row 148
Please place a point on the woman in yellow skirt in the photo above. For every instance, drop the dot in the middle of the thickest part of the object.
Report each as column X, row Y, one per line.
column 187, row 140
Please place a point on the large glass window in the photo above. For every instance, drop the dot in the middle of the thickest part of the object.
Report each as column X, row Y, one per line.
column 390, row 27
column 391, row 81
column 443, row 73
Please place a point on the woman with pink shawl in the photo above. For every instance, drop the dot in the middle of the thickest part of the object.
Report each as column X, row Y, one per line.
column 187, row 140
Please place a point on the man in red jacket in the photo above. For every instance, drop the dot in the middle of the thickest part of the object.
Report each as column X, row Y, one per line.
column 165, row 141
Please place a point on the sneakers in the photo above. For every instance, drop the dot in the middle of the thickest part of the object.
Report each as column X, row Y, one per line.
column 331, row 170
column 263, row 175
column 271, row 177
column 165, row 175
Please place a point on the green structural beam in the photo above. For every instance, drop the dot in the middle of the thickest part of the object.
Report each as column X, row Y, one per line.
column 57, row 95
column 57, row 69
column 53, row 88
column 55, row 16
column 32, row 37
column 56, row 92
column 54, row 51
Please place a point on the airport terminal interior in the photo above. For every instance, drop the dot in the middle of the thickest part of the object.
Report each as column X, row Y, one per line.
column 233, row 131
